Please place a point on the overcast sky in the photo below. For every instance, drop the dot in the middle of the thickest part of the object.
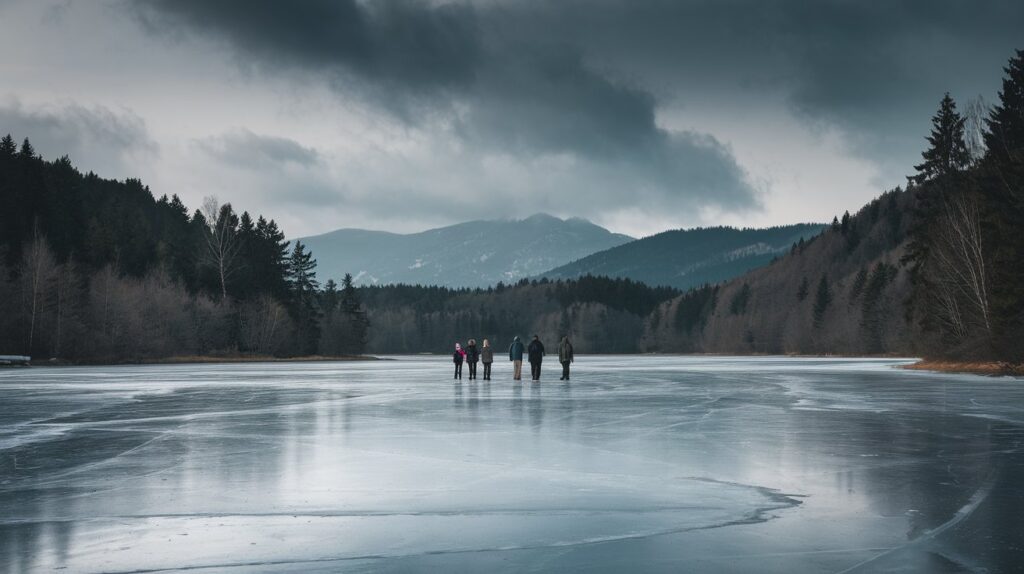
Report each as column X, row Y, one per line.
column 402, row 115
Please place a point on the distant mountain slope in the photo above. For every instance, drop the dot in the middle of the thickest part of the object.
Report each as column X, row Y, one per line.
column 844, row 291
column 690, row 257
column 471, row 254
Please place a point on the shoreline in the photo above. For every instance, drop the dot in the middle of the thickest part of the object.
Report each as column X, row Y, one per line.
column 207, row 359
column 987, row 368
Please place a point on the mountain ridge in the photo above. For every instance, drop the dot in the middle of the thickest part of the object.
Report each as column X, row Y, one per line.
column 474, row 253
column 685, row 258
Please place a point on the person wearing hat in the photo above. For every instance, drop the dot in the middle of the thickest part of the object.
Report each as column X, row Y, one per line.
column 515, row 354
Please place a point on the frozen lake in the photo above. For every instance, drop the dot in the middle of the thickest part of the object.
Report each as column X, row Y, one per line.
column 641, row 464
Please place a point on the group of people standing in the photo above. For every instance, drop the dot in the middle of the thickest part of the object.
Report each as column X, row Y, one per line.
column 472, row 356
column 534, row 352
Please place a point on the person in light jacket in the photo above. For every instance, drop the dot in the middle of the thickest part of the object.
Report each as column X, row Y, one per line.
column 472, row 356
column 487, row 357
column 458, row 356
column 515, row 354
column 536, row 352
column 565, row 357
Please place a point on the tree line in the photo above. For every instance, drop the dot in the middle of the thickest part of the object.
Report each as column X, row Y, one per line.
column 936, row 269
column 599, row 314
column 966, row 251
column 98, row 269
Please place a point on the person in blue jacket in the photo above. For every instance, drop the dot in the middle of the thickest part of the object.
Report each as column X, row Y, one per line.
column 515, row 354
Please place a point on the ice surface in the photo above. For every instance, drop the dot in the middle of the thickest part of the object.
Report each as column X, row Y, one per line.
column 640, row 464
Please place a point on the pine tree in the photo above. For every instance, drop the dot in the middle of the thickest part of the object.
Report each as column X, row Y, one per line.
column 27, row 151
column 738, row 305
column 1001, row 188
column 7, row 147
column 858, row 283
column 358, row 324
column 1005, row 136
column 803, row 290
column 822, row 299
column 302, row 272
column 303, row 286
column 329, row 298
column 948, row 152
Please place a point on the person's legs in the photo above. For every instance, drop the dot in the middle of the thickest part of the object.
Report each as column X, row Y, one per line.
column 538, row 370
column 565, row 370
column 472, row 371
column 487, row 371
column 517, row 369
column 457, row 370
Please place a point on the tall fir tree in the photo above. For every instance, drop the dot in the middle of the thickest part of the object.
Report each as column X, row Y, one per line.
column 822, row 299
column 1004, row 139
column 304, row 305
column 1002, row 188
column 947, row 153
column 358, row 324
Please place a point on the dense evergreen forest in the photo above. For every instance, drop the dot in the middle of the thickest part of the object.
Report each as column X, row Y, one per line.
column 600, row 314
column 95, row 269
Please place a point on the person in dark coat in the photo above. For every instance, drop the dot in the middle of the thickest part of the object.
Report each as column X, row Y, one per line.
column 487, row 357
column 536, row 352
column 515, row 354
column 458, row 357
column 565, row 357
column 472, row 357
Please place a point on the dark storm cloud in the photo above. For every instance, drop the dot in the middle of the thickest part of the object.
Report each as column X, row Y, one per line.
column 587, row 78
column 505, row 95
column 96, row 139
column 393, row 42
column 875, row 69
column 244, row 148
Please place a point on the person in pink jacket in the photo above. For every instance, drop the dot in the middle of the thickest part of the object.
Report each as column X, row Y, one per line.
column 458, row 356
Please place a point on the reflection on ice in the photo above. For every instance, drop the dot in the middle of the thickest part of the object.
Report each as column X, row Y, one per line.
column 641, row 464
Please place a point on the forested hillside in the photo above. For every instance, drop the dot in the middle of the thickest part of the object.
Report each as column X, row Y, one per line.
column 936, row 270
column 685, row 258
column 96, row 269
column 841, row 292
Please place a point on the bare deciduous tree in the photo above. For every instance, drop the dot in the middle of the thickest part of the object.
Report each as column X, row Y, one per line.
column 221, row 246
column 63, row 290
column 38, row 268
column 960, row 263
column 262, row 324
column 975, row 113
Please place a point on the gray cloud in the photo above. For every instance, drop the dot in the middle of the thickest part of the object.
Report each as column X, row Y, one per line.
column 502, row 94
column 395, row 42
column 413, row 113
column 95, row 138
column 243, row 148
column 874, row 69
